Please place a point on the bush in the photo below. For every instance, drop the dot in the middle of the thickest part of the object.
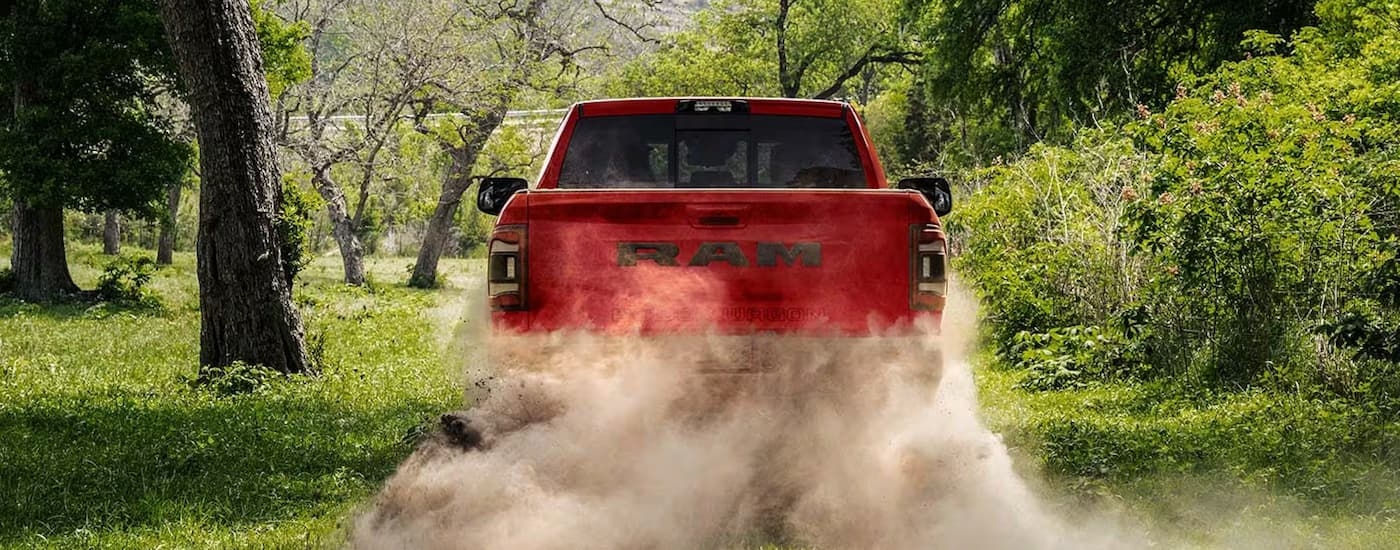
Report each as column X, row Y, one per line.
column 1236, row 226
column 238, row 378
column 1039, row 238
column 1074, row 357
column 295, row 220
column 124, row 281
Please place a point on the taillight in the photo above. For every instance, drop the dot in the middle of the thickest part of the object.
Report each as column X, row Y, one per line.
column 928, row 266
column 505, row 268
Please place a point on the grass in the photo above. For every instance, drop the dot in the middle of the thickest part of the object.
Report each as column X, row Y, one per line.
column 1230, row 469
column 109, row 445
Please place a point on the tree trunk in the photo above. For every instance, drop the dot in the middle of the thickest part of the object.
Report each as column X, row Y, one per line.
column 112, row 233
column 343, row 227
column 165, row 247
column 39, row 260
column 246, row 311
column 458, row 179
column 425, row 270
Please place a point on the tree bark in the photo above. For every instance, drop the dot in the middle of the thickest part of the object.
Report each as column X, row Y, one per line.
column 112, row 233
column 439, row 225
column 39, row 260
column 246, row 310
column 343, row 227
column 458, row 179
column 165, row 245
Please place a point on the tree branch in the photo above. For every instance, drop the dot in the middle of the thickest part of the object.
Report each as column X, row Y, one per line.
column 900, row 57
column 636, row 31
column 783, row 77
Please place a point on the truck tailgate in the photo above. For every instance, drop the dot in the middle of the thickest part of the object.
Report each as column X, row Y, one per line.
column 743, row 261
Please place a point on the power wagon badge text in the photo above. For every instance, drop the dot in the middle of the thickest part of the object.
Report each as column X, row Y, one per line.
column 765, row 254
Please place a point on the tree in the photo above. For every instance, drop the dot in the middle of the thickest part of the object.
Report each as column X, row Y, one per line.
column 348, row 76
column 83, row 131
column 1003, row 74
column 482, row 60
column 791, row 48
column 246, row 311
column 165, row 243
column 111, row 233
column 285, row 63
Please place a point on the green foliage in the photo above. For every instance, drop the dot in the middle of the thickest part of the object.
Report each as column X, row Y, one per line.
column 238, row 378
column 1039, row 237
column 1248, row 228
column 1003, row 75
column 1274, row 198
column 84, row 130
column 295, row 218
column 1366, row 328
column 124, row 282
column 733, row 49
column 1074, row 357
column 285, row 60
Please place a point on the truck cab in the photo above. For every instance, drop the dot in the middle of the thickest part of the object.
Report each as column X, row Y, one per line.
column 725, row 216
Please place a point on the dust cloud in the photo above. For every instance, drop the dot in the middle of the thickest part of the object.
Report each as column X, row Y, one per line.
column 584, row 442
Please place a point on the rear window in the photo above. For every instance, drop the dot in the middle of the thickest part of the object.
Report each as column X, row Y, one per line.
column 711, row 151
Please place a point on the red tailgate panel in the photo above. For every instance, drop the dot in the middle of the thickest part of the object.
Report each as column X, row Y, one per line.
column 578, row 239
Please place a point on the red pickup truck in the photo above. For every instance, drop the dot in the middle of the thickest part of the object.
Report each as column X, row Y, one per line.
column 728, row 216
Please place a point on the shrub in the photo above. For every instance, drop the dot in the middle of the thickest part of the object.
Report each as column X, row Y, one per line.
column 124, row 281
column 1073, row 357
column 1236, row 225
column 1039, row 237
column 295, row 220
column 236, row 379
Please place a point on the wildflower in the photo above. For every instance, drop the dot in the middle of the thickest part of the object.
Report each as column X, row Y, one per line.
column 1173, row 270
column 1350, row 119
column 1166, row 198
column 1128, row 194
column 1181, row 91
column 1195, row 188
column 1317, row 114
column 1142, row 111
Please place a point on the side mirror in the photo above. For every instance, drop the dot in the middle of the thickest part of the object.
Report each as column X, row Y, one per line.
column 934, row 189
column 493, row 193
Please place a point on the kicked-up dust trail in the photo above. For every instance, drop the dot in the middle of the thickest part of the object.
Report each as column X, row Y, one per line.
column 635, row 443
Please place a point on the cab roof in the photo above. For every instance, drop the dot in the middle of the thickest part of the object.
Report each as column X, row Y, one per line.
column 753, row 105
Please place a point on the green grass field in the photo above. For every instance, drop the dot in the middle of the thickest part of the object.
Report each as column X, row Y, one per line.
column 1225, row 470
column 107, row 444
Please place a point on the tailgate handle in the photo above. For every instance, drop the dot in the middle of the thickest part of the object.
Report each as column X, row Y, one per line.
column 713, row 220
column 717, row 215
